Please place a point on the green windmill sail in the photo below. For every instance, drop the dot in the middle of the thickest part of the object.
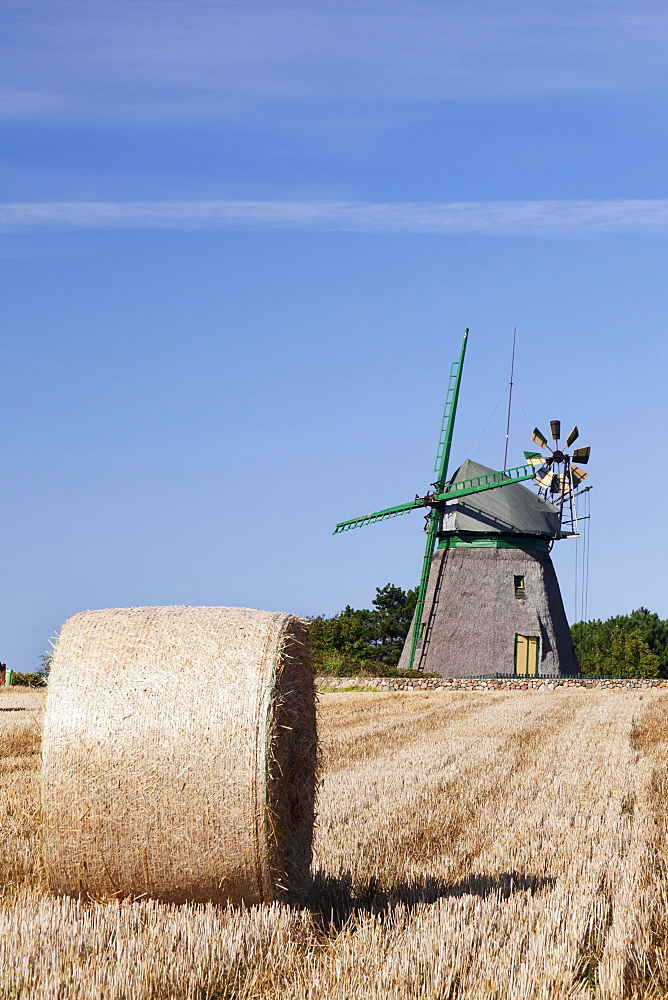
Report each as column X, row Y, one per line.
column 444, row 493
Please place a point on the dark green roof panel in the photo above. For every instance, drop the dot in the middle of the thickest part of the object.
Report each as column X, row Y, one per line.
column 509, row 510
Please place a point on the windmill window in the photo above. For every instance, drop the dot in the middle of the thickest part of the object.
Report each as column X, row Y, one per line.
column 520, row 589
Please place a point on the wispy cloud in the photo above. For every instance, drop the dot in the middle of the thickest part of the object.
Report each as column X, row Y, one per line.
column 169, row 60
column 548, row 219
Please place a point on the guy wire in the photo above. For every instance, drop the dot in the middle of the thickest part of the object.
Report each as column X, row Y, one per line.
column 575, row 585
column 489, row 420
column 587, row 546
column 510, row 400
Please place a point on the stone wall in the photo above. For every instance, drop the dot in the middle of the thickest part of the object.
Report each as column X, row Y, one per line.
column 485, row 684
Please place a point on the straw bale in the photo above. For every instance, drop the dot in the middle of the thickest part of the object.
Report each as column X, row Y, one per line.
column 179, row 755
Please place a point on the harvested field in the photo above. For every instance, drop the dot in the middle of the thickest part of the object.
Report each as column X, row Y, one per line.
column 471, row 846
column 21, row 708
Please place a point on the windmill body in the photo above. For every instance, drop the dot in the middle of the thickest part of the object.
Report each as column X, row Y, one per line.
column 488, row 599
column 492, row 604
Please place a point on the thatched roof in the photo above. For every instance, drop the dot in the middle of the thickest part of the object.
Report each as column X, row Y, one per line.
column 472, row 614
column 509, row 510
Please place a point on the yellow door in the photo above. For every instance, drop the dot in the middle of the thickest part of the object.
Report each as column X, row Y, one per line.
column 526, row 655
column 521, row 657
column 532, row 655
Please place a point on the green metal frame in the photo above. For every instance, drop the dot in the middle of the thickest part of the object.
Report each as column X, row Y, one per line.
column 441, row 470
column 380, row 515
column 481, row 541
column 490, row 481
column 466, row 487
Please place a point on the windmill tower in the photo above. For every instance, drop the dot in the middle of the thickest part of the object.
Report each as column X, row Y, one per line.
column 489, row 600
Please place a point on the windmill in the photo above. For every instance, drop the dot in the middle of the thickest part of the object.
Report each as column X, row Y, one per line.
column 488, row 599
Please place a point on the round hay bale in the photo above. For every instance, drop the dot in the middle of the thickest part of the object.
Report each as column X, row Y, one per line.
column 179, row 755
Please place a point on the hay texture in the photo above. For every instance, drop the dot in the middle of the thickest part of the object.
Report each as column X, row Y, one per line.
column 179, row 755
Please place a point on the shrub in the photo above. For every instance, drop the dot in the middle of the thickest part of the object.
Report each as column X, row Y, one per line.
column 28, row 680
column 333, row 664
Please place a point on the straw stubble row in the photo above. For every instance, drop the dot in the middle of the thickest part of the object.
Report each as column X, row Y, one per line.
column 473, row 846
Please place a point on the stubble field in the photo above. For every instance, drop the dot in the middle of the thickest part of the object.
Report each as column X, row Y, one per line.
column 475, row 846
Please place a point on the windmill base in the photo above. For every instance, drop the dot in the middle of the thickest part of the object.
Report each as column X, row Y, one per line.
column 493, row 611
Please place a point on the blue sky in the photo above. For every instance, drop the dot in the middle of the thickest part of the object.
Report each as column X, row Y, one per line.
column 240, row 242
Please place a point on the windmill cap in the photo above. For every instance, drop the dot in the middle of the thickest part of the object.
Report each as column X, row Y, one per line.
column 511, row 509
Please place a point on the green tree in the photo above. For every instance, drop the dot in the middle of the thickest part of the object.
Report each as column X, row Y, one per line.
column 654, row 631
column 592, row 642
column 350, row 633
column 630, row 656
column 633, row 645
column 394, row 609
column 374, row 636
